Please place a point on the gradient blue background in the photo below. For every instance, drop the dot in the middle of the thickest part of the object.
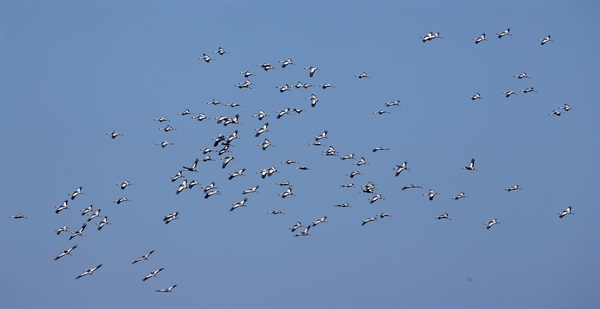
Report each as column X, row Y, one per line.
column 72, row 71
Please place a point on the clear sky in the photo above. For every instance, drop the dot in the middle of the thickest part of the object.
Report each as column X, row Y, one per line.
column 72, row 71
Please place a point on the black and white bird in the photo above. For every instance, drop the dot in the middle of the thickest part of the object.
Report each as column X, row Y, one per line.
column 313, row 100
column 362, row 75
column 347, row 185
column 513, row 188
column 251, row 190
column 124, row 184
column 177, row 176
column 192, row 184
column 214, row 102
column 226, row 161
column 161, row 119
column 343, row 205
column 288, row 162
column 509, row 93
column 471, row 166
column 304, row 233
column 94, row 215
column 200, row 117
column 411, row 186
column 284, row 184
column 102, row 223
column 528, row 90
column 61, row 229
column 247, row 74
column 236, row 174
column 220, row 51
column 168, row 128
column 164, row 144
column 431, row 194
column 566, row 107
column 184, row 112
column 260, row 115
column 265, row 66
column 326, row 85
column 521, row 75
column 545, row 40
column 430, row 36
column 555, row 113
column 167, row 290
column 443, row 216
column 275, row 212
column 565, row 212
column 321, row 136
column 284, row 88
column 376, row 149
column 296, row 226
column 265, row 144
column 114, row 134
column 503, row 33
column 143, row 257
column 75, row 193
column 168, row 218
column 18, row 216
column 330, row 152
column 286, row 62
column 491, row 223
column 392, row 103
column 241, row 203
column 459, row 196
column 401, row 167
column 287, row 193
column 476, row 96
column 311, row 70
column 65, row 252
column 207, row 158
column 381, row 112
column 62, row 206
column 353, row 174
column 121, row 200
column 368, row 188
column 383, row 215
column 182, row 186
column 153, row 274
column 348, row 157
column 262, row 129
column 367, row 220
column 480, row 38
column 79, row 232
column 319, row 221
column 361, row 161
column 283, row 112
column 89, row 271
column 375, row 198
column 205, row 57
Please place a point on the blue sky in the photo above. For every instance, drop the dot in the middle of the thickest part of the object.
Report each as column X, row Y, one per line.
column 73, row 71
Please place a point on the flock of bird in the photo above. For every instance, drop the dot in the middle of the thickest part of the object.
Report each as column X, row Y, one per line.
column 221, row 147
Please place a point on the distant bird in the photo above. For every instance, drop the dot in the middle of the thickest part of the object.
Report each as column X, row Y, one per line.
column 153, row 274
column 143, row 257
column 214, row 102
column 102, row 223
column 513, row 188
column 241, row 203
column 182, row 186
column 321, row 136
column 164, row 144
column 400, row 168
column 288, row 162
column 161, row 119
column 480, row 38
column 170, row 217
column 265, row 66
column 376, row 149
column 353, row 174
column 555, row 113
column 430, row 36
column 247, row 74
column 528, row 90
column 476, row 96
column 211, row 186
column 491, row 223
column 61, row 229
column 383, row 215
column 114, row 134
column 207, row 158
column 94, row 215
column 471, row 166
column 565, row 212
column 286, row 62
column 347, row 185
column 265, row 144
column 18, row 216
column 62, row 206
column 236, row 174
column 89, row 271
column 319, row 221
column 368, row 188
column 362, row 75
column 381, row 112
column 284, row 184
column 304, row 233
column 393, row 103
column 443, row 216
column 545, row 40
column 317, row 143
column 199, row 117
column 313, row 100
column 184, row 112
column 167, row 128
column 220, row 51
column 326, row 85
column 566, row 107
column 311, row 70
column 226, row 161
column 411, row 186
column 65, row 252
column 287, row 193
column 75, row 193
column 361, row 161
column 261, row 114
column 367, row 220
column 167, row 290
column 192, row 184
column 296, row 226
column 122, row 200
column 177, row 176
column 284, row 88
column 303, row 168
column 205, row 57
column 124, row 184
column 431, row 194
column 459, row 196
column 375, row 198
column 307, row 85
column 79, row 232
column 503, row 33
column 521, row 75
column 262, row 129
column 330, row 152
column 348, row 157
column 275, row 212
column 343, row 205
column 509, row 93
column 251, row 190
column 193, row 167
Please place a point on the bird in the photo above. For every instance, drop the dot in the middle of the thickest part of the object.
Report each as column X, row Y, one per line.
column 205, row 57
column 251, row 190
column 480, row 38
column 343, row 205
column 61, row 229
column 153, row 274
column 286, row 62
column 311, row 70
column 283, row 112
column 348, row 157
column 503, row 33
column 220, row 51
column 65, row 252
column 94, row 215
column 193, row 167
column 330, row 152
column 184, row 112
column 75, row 193
column 555, row 113
column 367, row 220
column 545, row 40
column 168, row 128
column 265, row 66
column 383, row 215
column 241, row 203
column 262, row 129
column 275, row 212
column 284, row 88
column 313, row 100
column 260, row 115
column 471, row 166
column 236, row 174
column 114, row 134
column 375, row 198
column 287, row 193
column 226, row 161
column 565, row 212
column 528, row 90
column 521, row 75
column 214, row 102
column 513, row 188
column 361, row 161
column 430, row 36
column 102, row 223
column 509, row 93
column 192, row 184
column 476, row 96
column 18, row 216
column 284, row 184
column 296, row 226
column 210, row 186
column 265, row 144
column 177, row 176
column 170, row 217
column 303, row 233
column 491, row 223
column 401, row 167
column 288, row 162
column 319, row 221
column 207, row 158
column 122, row 200
column 143, row 257
column 376, row 149
column 199, row 117
column 124, row 184
column 326, row 85
column 89, row 271
column 393, row 103
column 62, row 206
column 303, row 168
column 164, row 144
column 79, row 232
column 161, row 119
column 362, row 75
column 411, row 186
column 431, row 194
column 443, row 216
column 353, row 174
column 182, row 186
column 247, row 73
column 566, row 107
column 381, row 112
column 321, row 136
column 167, row 290
column 459, row 196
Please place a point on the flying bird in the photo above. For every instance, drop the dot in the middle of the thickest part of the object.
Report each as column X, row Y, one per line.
column 65, row 252
column 471, row 166
column 367, row 220
column 480, row 38
column 443, row 216
column 75, row 193
column 153, row 274
column 89, row 271
column 503, row 33
column 491, row 223
column 565, row 212
column 143, row 257
column 545, row 40
column 167, row 290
